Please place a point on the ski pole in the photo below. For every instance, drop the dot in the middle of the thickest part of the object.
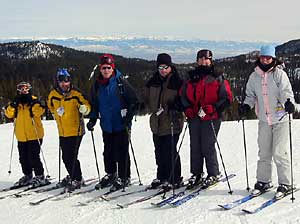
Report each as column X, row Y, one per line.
column 40, row 145
column 97, row 166
column 177, row 153
column 172, row 154
column 245, row 149
column 12, row 147
column 215, row 135
column 59, row 162
column 134, row 159
column 127, row 159
column 291, row 153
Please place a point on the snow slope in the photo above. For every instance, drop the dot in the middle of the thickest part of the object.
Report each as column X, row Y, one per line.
column 202, row 209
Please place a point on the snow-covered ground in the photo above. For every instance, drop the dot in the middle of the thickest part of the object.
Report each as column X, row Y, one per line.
column 202, row 209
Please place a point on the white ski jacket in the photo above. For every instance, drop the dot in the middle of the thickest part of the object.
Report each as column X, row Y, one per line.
column 268, row 91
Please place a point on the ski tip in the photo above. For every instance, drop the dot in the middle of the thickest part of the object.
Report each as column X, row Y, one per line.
column 247, row 211
column 121, row 206
column 81, row 204
column 104, row 198
column 224, row 207
column 155, row 205
column 33, row 203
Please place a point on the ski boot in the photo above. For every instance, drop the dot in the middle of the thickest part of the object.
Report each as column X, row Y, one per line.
column 283, row 190
column 261, row 187
column 39, row 181
column 106, row 181
column 24, row 181
column 194, row 181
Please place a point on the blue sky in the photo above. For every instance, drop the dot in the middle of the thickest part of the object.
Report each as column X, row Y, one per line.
column 254, row 20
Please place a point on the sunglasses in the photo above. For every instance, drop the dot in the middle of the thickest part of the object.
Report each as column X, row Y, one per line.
column 64, row 78
column 161, row 67
column 106, row 60
column 106, row 67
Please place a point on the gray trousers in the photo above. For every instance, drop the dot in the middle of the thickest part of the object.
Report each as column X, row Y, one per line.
column 273, row 143
column 202, row 143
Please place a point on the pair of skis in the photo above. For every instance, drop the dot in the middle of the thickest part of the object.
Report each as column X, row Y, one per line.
column 172, row 197
column 255, row 209
column 23, row 190
column 64, row 193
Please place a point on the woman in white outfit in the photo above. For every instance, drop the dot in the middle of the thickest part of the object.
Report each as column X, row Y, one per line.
column 270, row 91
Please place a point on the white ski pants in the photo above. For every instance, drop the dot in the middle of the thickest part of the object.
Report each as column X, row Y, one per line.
column 273, row 143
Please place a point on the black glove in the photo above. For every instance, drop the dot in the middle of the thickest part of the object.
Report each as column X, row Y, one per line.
column 90, row 125
column 15, row 102
column 243, row 109
column 289, row 106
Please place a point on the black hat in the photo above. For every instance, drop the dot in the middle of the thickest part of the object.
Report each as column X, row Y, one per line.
column 204, row 53
column 163, row 59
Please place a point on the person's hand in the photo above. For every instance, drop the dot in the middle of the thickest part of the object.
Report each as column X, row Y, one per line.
column 90, row 125
column 189, row 113
column 209, row 109
column 84, row 109
column 289, row 106
column 243, row 109
column 15, row 103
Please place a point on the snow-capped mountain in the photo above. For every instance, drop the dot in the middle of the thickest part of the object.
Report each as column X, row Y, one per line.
column 182, row 51
column 27, row 50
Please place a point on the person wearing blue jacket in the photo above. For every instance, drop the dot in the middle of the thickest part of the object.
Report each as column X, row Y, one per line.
column 113, row 102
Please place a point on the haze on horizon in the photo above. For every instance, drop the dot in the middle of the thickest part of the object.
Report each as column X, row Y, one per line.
column 256, row 20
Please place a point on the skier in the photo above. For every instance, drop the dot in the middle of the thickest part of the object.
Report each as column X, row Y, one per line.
column 270, row 91
column 205, row 95
column 29, row 131
column 68, row 106
column 160, row 95
column 113, row 102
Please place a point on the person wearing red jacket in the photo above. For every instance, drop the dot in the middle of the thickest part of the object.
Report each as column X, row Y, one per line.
column 204, row 96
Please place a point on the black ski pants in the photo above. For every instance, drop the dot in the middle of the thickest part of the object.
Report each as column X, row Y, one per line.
column 70, row 147
column 29, row 157
column 165, row 155
column 202, row 144
column 116, row 154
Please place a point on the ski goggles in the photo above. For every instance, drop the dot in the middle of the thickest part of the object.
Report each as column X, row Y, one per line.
column 207, row 54
column 63, row 78
column 106, row 60
column 23, row 88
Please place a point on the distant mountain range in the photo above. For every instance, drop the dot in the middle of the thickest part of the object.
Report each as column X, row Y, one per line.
column 182, row 51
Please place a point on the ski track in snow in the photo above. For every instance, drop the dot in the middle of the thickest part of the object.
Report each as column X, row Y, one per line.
column 202, row 209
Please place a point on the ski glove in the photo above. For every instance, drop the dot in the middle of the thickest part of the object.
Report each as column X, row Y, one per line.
column 84, row 109
column 243, row 109
column 15, row 102
column 90, row 125
column 209, row 109
column 189, row 113
column 289, row 107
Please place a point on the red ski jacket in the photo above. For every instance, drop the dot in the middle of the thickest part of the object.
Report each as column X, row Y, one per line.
column 212, row 94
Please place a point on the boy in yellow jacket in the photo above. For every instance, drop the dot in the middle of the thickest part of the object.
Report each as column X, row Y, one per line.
column 68, row 104
column 26, row 110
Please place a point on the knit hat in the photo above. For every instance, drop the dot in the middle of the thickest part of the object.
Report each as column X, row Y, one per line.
column 267, row 50
column 163, row 59
column 107, row 59
column 204, row 53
